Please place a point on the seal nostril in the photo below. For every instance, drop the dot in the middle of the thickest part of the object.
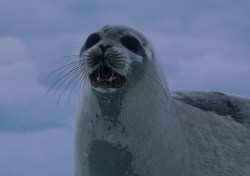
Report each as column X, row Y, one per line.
column 104, row 47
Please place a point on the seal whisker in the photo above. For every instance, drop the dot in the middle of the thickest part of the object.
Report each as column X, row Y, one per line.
column 71, row 57
column 65, row 67
column 63, row 77
column 80, row 76
column 73, row 69
column 72, row 78
column 76, row 75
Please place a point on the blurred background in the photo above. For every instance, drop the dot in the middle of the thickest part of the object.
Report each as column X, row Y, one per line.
column 203, row 45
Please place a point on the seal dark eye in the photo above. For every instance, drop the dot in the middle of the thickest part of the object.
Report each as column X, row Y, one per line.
column 130, row 43
column 92, row 40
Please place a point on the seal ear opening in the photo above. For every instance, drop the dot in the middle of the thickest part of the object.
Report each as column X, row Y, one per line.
column 130, row 43
column 92, row 40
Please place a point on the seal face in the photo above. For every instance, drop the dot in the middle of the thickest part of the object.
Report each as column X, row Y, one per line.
column 107, row 55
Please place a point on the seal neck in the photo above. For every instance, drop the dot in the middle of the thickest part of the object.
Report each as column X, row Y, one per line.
column 110, row 104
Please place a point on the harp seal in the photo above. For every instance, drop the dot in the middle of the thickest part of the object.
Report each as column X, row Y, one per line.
column 129, row 125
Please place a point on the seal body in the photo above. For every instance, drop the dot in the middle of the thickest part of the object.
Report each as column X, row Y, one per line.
column 128, row 124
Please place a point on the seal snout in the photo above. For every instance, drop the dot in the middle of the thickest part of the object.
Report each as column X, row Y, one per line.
column 106, row 62
column 104, row 47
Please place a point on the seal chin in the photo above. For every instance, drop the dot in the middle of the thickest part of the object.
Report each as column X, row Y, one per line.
column 105, row 78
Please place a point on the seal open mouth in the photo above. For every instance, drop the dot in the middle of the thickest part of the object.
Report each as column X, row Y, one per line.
column 105, row 77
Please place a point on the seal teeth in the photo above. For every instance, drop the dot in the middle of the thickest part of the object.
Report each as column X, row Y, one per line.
column 113, row 77
column 98, row 78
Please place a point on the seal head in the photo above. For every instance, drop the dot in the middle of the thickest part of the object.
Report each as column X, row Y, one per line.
column 109, row 56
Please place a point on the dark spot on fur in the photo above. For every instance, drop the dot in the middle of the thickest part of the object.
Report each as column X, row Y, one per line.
column 110, row 105
column 106, row 159
column 124, row 129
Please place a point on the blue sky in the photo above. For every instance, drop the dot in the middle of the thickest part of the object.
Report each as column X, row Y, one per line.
column 202, row 45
